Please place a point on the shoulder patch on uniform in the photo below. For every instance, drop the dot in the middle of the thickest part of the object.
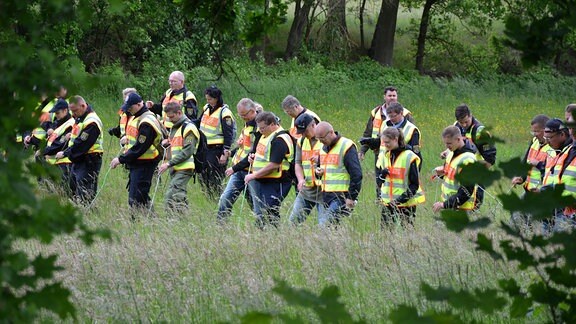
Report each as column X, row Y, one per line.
column 228, row 121
column 84, row 136
column 141, row 139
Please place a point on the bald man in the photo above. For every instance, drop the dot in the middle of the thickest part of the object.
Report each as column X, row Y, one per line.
column 340, row 172
column 177, row 93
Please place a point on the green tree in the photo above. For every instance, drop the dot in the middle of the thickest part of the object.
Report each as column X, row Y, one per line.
column 436, row 24
column 32, row 62
column 541, row 30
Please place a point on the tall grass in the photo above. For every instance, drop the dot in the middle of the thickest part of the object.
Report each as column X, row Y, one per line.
column 186, row 268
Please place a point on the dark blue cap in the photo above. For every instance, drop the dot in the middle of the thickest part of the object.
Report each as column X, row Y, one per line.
column 60, row 104
column 132, row 99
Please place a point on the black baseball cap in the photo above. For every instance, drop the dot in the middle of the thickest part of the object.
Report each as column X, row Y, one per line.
column 132, row 99
column 554, row 125
column 302, row 122
column 60, row 104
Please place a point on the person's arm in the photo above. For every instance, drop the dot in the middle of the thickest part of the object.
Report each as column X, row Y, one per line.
column 241, row 165
column 413, row 184
column 485, row 148
column 58, row 145
column 367, row 133
column 146, row 137
column 244, row 163
column 228, row 131
column 298, row 169
column 157, row 107
column 415, row 145
column 354, row 169
column 188, row 149
column 83, row 142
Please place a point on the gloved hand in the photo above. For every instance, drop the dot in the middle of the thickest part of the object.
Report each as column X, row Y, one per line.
column 372, row 143
column 114, row 131
column 381, row 176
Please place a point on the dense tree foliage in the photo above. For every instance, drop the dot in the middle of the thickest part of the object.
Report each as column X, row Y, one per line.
column 183, row 34
column 36, row 56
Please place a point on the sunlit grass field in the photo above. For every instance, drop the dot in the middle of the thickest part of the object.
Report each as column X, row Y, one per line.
column 187, row 268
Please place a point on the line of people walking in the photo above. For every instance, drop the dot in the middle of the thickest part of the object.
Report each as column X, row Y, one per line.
column 324, row 167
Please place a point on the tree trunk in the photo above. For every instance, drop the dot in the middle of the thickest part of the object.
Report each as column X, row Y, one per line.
column 382, row 47
column 301, row 14
column 424, row 22
column 335, row 29
column 361, row 20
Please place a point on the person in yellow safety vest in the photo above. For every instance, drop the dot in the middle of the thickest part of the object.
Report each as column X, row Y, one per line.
column 454, row 194
column 293, row 108
column 46, row 118
column 340, row 172
column 177, row 93
column 379, row 116
column 183, row 142
column 476, row 133
column 558, row 137
column 535, row 155
column 218, row 125
column 58, row 140
column 399, row 179
column 567, row 177
column 247, row 110
column 142, row 155
column 306, row 160
column 269, row 179
column 85, row 149
column 123, row 118
column 412, row 135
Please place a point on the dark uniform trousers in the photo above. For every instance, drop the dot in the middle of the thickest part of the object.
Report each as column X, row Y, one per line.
column 213, row 173
column 139, row 183
column 85, row 177
column 267, row 198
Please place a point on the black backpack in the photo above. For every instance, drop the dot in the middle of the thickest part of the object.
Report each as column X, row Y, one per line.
column 200, row 155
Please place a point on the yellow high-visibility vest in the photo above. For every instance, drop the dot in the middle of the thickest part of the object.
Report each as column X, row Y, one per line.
column 554, row 162
column 336, row 178
column 397, row 181
column 310, row 154
column 177, row 144
column 377, row 120
column 180, row 99
column 538, row 152
column 263, row 151
column 450, row 186
column 57, row 133
column 132, row 134
column 77, row 129
column 247, row 137
column 211, row 124
column 407, row 130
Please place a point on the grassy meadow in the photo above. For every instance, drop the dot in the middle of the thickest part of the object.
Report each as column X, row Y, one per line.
column 187, row 268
